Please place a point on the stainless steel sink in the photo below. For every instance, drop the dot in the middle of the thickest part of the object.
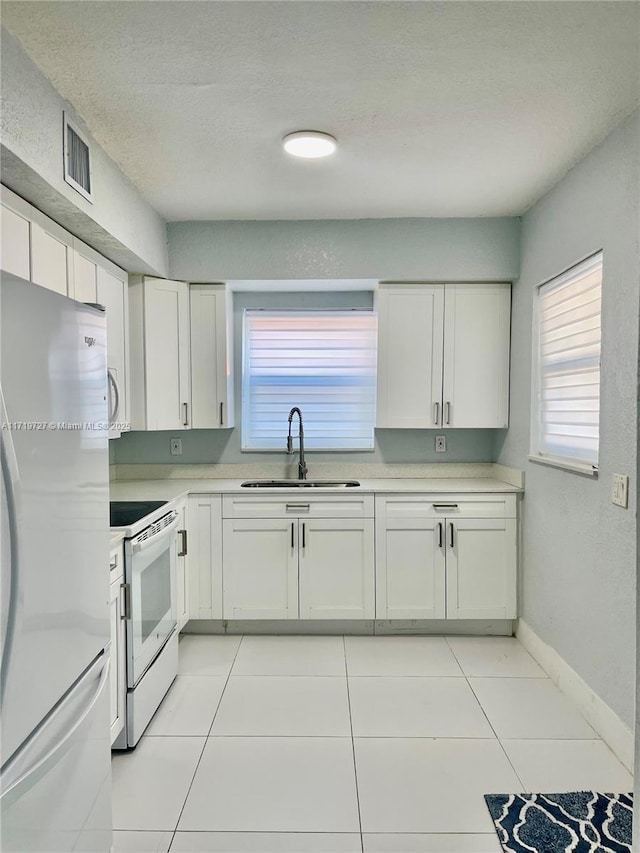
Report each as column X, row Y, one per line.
column 299, row 484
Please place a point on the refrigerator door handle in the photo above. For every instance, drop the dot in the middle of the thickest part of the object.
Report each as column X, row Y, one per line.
column 40, row 765
column 11, row 480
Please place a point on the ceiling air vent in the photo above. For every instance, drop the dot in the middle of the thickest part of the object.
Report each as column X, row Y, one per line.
column 77, row 167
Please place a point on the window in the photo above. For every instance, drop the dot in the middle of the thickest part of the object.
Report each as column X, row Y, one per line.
column 566, row 407
column 322, row 361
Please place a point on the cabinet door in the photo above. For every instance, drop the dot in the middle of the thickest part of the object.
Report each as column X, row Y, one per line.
column 51, row 264
column 336, row 574
column 481, row 568
column 476, row 355
column 410, row 319
column 85, row 276
column 112, row 294
column 166, row 364
column 211, row 357
column 260, row 560
column 204, row 584
column 15, row 235
column 410, row 569
column 182, row 584
column 117, row 676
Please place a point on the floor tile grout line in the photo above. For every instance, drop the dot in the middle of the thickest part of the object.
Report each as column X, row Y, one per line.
column 353, row 745
column 504, row 751
column 204, row 746
column 225, row 685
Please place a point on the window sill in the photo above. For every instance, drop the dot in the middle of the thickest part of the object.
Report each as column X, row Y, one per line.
column 566, row 465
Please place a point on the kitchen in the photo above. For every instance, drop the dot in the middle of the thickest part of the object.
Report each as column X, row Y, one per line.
column 530, row 161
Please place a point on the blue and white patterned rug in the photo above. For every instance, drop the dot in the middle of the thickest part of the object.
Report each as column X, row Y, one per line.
column 579, row 822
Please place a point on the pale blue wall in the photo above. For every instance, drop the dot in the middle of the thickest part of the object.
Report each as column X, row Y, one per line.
column 207, row 446
column 579, row 550
column 483, row 249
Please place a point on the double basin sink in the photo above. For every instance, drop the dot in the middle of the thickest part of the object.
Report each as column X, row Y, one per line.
column 299, row 484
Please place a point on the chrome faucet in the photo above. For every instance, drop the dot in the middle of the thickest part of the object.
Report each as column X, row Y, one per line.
column 302, row 467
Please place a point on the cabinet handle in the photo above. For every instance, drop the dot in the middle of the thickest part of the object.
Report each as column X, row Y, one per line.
column 221, row 414
column 436, row 414
column 185, row 419
column 183, row 545
column 113, row 414
column 439, row 534
column 304, row 539
column 447, row 411
column 297, row 507
column 293, row 543
column 125, row 601
column 451, row 534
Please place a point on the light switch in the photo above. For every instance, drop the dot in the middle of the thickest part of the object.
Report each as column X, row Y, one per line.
column 620, row 490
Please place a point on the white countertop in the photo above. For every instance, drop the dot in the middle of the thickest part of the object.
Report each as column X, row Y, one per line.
column 115, row 537
column 172, row 489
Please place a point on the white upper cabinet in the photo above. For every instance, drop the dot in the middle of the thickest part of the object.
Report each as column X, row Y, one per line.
column 476, row 355
column 15, row 231
column 160, row 354
column 85, row 273
column 409, row 355
column 211, row 356
column 112, row 294
column 51, row 255
column 443, row 355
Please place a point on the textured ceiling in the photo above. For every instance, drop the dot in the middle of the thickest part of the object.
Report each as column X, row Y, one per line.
column 440, row 108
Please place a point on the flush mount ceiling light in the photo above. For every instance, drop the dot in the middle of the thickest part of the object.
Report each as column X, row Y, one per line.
column 309, row 144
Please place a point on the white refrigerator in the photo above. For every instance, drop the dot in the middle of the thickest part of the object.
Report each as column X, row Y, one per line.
column 55, row 776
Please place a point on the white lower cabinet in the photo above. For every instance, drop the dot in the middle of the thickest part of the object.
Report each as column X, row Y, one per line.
column 204, row 518
column 300, row 560
column 336, row 568
column 260, row 568
column 182, row 567
column 446, row 557
column 118, row 675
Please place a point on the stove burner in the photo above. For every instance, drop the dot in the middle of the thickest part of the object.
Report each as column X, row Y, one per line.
column 126, row 513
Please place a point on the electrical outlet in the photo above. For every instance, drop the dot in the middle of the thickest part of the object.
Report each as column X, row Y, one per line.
column 620, row 490
column 441, row 444
column 176, row 447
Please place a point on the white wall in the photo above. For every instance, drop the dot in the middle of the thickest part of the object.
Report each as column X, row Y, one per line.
column 407, row 249
column 579, row 551
column 120, row 223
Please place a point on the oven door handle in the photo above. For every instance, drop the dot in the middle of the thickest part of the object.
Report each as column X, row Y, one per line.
column 137, row 547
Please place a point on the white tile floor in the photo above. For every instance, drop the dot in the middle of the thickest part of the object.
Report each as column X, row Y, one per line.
column 340, row 745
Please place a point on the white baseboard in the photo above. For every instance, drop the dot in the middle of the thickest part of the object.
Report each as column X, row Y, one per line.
column 595, row 711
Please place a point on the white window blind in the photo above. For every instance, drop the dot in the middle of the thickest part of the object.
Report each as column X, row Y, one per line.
column 568, row 410
column 322, row 361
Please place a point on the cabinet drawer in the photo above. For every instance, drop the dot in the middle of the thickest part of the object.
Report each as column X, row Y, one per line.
column 296, row 505
column 449, row 506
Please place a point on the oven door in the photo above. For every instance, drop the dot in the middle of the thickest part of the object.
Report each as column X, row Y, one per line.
column 151, row 575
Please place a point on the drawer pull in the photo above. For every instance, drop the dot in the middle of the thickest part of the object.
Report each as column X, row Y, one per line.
column 298, row 507
column 445, row 506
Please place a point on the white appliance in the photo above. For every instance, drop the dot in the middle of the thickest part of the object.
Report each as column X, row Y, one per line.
column 55, row 770
column 150, row 550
